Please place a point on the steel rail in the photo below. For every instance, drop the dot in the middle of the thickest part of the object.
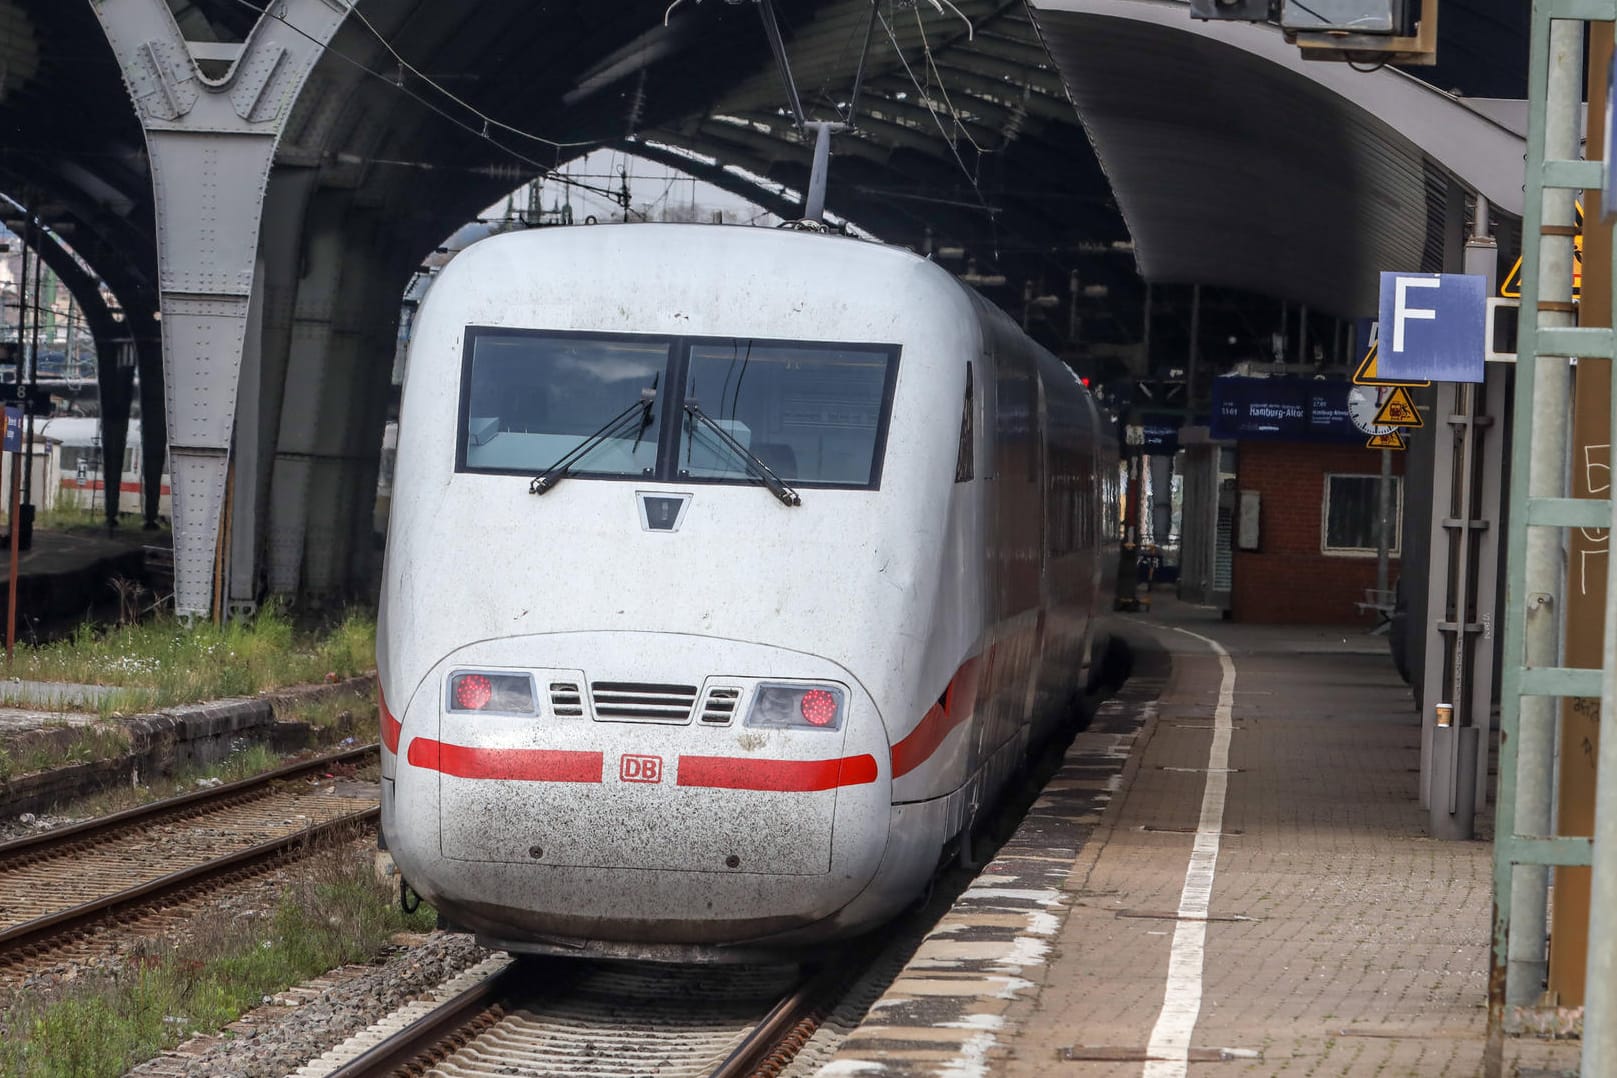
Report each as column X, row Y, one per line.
column 431, row 1029
column 198, row 799
column 769, row 1036
column 40, row 929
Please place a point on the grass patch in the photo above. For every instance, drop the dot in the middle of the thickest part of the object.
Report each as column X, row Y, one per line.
column 79, row 521
column 27, row 754
column 335, row 913
column 244, row 763
column 333, row 713
column 161, row 662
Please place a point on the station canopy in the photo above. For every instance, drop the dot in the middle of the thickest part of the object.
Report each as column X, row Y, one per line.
column 968, row 139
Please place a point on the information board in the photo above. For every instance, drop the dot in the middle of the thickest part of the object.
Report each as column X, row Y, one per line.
column 1283, row 410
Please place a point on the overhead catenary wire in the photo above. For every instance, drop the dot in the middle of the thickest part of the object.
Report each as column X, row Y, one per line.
column 933, row 72
column 898, row 50
column 548, row 171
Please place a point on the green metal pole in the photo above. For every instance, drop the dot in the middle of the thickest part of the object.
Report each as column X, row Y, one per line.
column 1546, row 478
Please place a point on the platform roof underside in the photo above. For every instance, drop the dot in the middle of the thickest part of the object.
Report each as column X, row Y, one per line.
column 1223, row 167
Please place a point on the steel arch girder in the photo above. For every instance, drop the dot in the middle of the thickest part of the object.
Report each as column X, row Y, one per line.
column 210, row 142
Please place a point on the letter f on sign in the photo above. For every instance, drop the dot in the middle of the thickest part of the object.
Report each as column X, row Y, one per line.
column 1400, row 312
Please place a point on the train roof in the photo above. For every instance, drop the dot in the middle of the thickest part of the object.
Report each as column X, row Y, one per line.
column 80, row 430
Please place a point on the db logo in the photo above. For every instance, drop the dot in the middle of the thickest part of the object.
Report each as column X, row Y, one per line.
column 641, row 769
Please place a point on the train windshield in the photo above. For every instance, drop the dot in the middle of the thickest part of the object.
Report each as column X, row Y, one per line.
column 530, row 399
column 814, row 413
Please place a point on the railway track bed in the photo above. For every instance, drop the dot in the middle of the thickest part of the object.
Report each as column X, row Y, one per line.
column 59, row 886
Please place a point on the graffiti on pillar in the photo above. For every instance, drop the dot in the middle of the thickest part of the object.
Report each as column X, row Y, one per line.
column 1597, row 480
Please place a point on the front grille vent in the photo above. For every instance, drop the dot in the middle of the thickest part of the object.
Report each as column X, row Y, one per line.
column 720, row 706
column 633, row 701
column 565, row 700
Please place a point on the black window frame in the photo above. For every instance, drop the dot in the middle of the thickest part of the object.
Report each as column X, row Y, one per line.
column 1370, row 551
column 670, row 406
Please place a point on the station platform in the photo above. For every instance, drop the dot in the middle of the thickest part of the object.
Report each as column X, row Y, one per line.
column 1258, row 897
column 66, row 577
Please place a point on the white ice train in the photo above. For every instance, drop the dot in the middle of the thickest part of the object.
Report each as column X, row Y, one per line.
column 730, row 572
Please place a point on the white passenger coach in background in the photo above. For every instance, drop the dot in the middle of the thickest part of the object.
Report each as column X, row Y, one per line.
column 730, row 574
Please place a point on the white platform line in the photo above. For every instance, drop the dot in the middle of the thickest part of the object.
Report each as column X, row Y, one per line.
column 1169, row 1047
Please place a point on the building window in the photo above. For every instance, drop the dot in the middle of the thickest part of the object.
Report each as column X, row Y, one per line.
column 1351, row 513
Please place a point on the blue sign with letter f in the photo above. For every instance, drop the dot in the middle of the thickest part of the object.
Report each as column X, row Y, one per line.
column 1433, row 326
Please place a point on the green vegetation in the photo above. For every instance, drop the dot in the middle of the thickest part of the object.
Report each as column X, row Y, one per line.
column 107, row 1023
column 162, row 661
column 241, row 764
column 96, row 741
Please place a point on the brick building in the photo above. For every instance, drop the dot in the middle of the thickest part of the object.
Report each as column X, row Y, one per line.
column 1316, row 508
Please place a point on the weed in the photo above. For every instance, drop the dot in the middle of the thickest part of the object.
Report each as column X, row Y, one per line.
column 160, row 661
column 334, row 913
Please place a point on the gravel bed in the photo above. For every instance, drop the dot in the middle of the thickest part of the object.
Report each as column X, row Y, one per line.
column 295, row 1026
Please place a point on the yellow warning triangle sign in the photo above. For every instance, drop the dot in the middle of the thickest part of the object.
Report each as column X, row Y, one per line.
column 1367, row 374
column 1398, row 411
column 1390, row 440
column 1511, row 286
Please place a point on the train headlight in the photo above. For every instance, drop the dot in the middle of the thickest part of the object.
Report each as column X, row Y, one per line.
column 506, row 694
column 813, row 707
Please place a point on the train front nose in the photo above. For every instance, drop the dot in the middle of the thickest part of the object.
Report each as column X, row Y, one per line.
column 639, row 789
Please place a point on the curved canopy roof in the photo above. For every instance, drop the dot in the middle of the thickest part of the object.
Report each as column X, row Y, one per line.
column 1238, row 163
column 422, row 113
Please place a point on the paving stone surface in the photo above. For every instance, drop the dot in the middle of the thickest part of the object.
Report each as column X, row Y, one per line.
column 1339, row 940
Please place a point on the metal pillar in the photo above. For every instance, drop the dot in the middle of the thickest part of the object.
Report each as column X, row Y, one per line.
column 1545, row 467
column 210, row 142
column 1463, row 556
column 241, row 598
column 1532, row 676
column 307, row 367
column 281, row 244
column 115, row 366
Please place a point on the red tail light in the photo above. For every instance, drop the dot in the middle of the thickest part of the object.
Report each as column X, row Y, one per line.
column 819, row 707
column 473, row 692
column 787, row 706
column 492, row 692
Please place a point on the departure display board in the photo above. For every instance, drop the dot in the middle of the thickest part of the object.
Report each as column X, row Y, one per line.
column 1283, row 410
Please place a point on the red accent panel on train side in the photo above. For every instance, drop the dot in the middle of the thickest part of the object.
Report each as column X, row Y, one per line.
column 391, row 727
column 779, row 776
column 509, row 765
column 959, row 702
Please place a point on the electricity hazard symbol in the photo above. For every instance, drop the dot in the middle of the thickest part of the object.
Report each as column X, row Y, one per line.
column 1511, row 286
column 1391, row 440
column 1399, row 411
column 1368, row 375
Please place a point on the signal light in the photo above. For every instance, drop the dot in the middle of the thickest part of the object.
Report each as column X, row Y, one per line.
column 819, row 707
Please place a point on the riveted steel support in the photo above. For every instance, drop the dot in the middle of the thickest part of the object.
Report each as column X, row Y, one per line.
column 307, row 368
column 210, row 142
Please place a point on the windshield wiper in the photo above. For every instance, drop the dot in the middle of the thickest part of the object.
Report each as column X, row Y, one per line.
column 786, row 494
column 546, row 481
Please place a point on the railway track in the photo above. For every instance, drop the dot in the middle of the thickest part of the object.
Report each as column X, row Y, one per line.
column 57, row 885
column 597, row 1020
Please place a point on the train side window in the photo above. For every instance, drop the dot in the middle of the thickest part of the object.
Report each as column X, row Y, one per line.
column 964, row 461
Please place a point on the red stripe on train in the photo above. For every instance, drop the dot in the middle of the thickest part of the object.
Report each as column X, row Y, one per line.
column 778, row 776
column 391, row 727
column 958, row 702
column 510, row 765
column 96, row 484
